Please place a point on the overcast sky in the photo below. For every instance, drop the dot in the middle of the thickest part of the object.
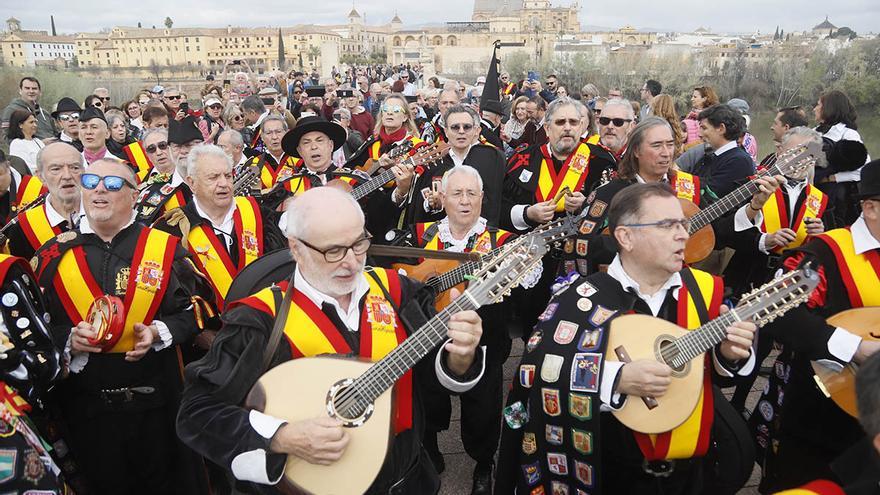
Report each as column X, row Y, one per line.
column 679, row 15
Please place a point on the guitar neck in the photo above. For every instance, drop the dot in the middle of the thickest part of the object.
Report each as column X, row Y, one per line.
column 382, row 375
column 373, row 184
column 727, row 203
column 460, row 273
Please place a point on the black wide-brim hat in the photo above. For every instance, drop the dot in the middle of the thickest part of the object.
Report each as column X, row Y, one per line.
column 869, row 185
column 66, row 105
column 309, row 124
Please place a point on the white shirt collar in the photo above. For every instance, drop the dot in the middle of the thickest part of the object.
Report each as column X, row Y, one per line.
column 85, row 228
column 350, row 316
column 227, row 225
column 459, row 160
column 863, row 241
column 640, row 180
column 655, row 301
column 259, row 120
column 729, row 146
column 56, row 218
column 458, row 245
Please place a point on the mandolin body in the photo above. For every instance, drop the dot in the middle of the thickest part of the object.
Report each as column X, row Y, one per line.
column 641, row 336
column 298, row 390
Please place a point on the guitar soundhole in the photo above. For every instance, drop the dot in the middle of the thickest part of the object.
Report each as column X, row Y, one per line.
column 668, row 353
column 346, row 404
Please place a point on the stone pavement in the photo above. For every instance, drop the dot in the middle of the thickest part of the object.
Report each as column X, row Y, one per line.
column 456, row 480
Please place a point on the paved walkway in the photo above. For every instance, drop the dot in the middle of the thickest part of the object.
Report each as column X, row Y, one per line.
column 456, row 480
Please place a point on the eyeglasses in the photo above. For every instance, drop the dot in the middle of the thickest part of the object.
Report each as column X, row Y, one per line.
column 335, row 254
column 161, row 145
column 144, row 102
column 105, row 98
column 617, row 122
column 550, row 83
column 668, row 224
column 68, row 117
column 598, row 111
column 175, row 97
column 297, row 92
column 237, row 117
column 112, row 183
column 571, row 122
column 461, row 127
column 216, row 106
column 392, row 108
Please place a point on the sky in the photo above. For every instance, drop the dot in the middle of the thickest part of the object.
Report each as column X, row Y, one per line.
column 673, row 15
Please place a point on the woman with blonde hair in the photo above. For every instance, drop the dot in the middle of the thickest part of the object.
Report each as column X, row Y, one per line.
column 519, row 128
column 702, row 98
column 664, row 107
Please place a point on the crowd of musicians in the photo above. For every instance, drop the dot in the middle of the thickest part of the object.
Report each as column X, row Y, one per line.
column 161, row 257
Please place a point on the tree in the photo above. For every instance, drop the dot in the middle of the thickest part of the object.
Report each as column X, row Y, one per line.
column 168, row 22
column 314, row 53
column 776, row 34
column 139, row 24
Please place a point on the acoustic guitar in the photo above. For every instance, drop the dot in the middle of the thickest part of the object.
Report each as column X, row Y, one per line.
column 443, row 275
column 398, row 152
column 840, row 384
column 423, row 159
column 634, row 337
column 359, row 393
column 793, row 163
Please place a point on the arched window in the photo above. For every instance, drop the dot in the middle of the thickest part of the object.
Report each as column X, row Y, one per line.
column 438, row 40
column 396, row 41
column 451, row 41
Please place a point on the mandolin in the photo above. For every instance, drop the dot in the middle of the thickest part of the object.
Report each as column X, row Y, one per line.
column 634, row 337
column 359, row 393
column 840, row 384
column 246, row 181
column 793, row 163
column 443, row 275
column 423, row 159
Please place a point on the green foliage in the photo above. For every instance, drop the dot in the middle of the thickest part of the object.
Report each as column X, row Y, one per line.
column 168, row 22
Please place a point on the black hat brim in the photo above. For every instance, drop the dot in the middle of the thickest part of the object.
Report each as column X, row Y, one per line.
column 291, row 140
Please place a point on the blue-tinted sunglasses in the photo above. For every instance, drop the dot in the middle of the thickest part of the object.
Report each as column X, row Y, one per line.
column 111, row 182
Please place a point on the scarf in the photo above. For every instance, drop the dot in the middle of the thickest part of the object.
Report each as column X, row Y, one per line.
column 91, row 157
column 389, row 139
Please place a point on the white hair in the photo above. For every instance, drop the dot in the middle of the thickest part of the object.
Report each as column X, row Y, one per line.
column 205, row 150
column 461, row 169
column 234, row 136
column 150, row 132
column 298, row 222
column 622, row 102
column 41, row 160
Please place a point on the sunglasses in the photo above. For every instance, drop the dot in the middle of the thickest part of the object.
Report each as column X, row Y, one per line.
column 617, row 122
column 177, row 97
column 161, row 145
column 112, row 183
column 143, row 102
column 392, row 108
column 571, row 122
column 105, row 98
column 68, row 117
column 216, row 106
column 461, row 127
column 297, row 92
column 237, row 117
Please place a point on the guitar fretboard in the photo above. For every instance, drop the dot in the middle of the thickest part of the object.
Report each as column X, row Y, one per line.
column 728, row 202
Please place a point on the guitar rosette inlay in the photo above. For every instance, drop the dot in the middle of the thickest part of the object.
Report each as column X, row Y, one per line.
column 347, row 405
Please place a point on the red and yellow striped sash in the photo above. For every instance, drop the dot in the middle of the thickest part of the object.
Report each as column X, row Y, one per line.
column 209, row 252
column 776, row 214
column 147, row 282
column 31, row 188
column 691, row 438
column 572, row 174
column 860, row 272
column 687, row 187
column 310, row 332
column 35, row 225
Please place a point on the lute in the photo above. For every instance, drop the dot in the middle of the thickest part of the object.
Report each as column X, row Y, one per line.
column 359, row 393
column 793, row 163
column 839, row 385
column 634, row 337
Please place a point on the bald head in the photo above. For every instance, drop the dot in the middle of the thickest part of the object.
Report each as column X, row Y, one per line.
column 308, row 208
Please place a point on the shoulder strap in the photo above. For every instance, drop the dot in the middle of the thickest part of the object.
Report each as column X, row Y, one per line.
column 699, row 302
column 278, row 327
column 430, row 232
column 493, row 237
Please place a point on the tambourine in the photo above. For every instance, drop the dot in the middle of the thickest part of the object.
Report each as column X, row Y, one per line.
column 107, row 317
